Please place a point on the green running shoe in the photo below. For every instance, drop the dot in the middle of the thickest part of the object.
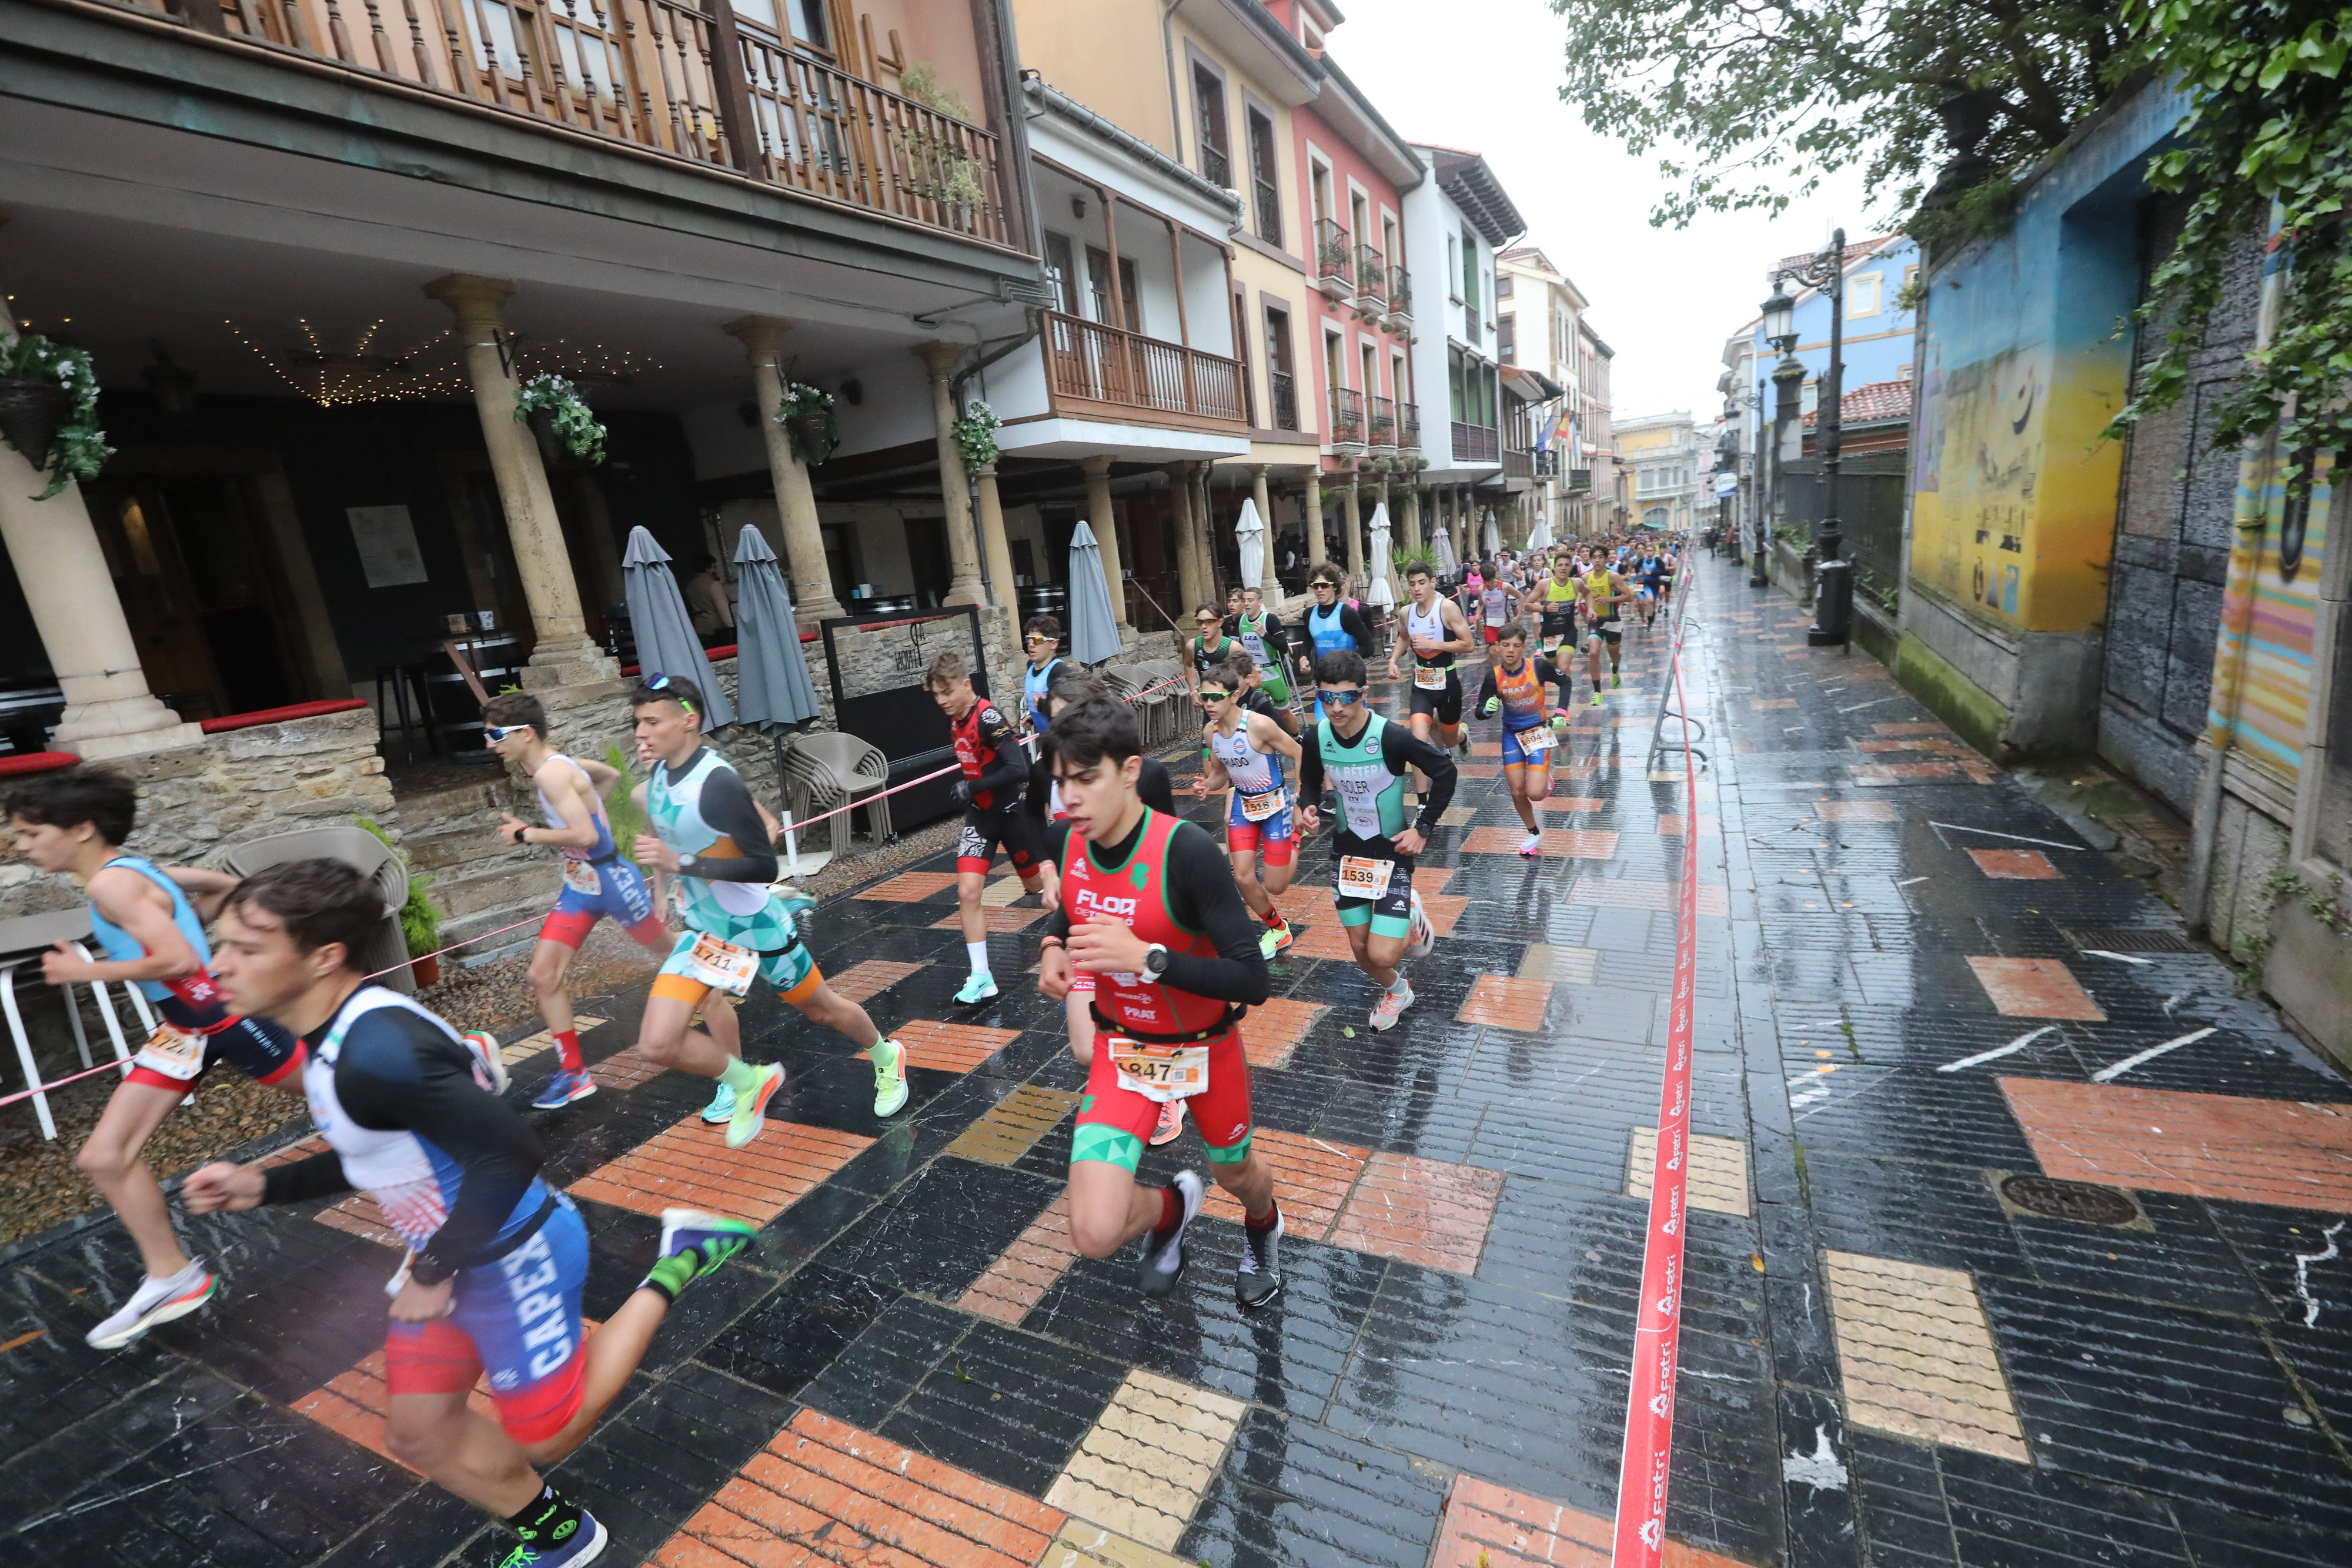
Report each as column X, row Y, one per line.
column 1596, row 697
column 889, row 1059
column 751, row 1110
column 1615, row 680
column 980, row 986
column 721, row 1107
column 693, row 1244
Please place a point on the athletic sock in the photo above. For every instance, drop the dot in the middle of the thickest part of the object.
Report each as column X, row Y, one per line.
column 1171, row 1211
column 672, row 1274
column 545, row 1518
column 567, row 1049
column 741, row 1075
column 1265, row 1221
column 978, row 954
column 1273, row 917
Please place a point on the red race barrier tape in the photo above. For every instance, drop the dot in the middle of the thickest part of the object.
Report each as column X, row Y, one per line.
column 1657, row 1326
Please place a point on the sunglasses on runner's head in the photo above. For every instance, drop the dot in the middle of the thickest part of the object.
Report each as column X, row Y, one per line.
column 657, row 682
column 1348, row 698
column 493, row 733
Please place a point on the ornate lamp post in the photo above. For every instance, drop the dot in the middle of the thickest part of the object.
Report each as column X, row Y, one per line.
column 1834, row 577
column 1781, row 332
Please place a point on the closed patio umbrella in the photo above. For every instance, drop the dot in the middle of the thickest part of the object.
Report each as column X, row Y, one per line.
column 1094, row 631
column 1378, row 590
column 773, row 685
column 1441, row 549
column 664, row 633
column 1494, row 536
column 1249, row 534
column 1541, row 537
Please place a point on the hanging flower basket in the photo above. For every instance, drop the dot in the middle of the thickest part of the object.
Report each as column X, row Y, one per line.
column 49, row 409
column 975, row 435
column 569, row 436
column 810, row 424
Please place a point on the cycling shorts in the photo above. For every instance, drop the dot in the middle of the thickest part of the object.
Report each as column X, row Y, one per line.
column 1113, row 1123
column 1602, row 631
column 792, row 972
column 262, row 1048
column 599, row 890
column 1272, row 682
column 1445, row 703
column 1274, row 841
column 517, row 1318
column 1514, row 755
column 1391, row 915
column 984, row 831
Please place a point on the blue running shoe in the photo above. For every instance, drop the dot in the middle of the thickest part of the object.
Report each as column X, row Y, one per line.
column 980, row 986
column 567, row 1086
column 582, row 1545
column 721, row 1108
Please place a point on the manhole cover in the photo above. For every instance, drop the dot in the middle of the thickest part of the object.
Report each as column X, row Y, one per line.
column 2130, row 939
column 2055, row 1200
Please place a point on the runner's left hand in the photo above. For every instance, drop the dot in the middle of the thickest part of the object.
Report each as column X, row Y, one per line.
column 653, row 855
column 423, row 1303
column 221, row 1186
column 1102, row 947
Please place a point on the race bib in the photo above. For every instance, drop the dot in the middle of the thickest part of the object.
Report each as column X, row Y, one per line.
column 1535, row 742
column 1360, row 877
column 721, row 966
column 582, row 877
column 179, row 1057
column 1257, row 808
column 1430, row 678
column 1160, row 1072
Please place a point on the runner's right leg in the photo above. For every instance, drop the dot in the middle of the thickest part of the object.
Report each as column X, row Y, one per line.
column 175, row 1284
column 666, row 1039
column 975, row 853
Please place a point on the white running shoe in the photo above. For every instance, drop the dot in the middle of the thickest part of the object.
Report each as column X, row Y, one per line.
column 1423, row 934
column 1391, row 1005
column 489, row 1071
column 1530, row 844
column 1163, row 1261
column 155, row 1301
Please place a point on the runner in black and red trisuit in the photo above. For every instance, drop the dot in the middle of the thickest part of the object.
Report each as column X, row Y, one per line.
column 995, row 768
column 1149, row 909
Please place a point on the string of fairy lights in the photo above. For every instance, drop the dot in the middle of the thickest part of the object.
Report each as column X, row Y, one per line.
column 430, row 368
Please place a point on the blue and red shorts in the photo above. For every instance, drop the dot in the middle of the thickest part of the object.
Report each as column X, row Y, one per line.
column 262, row 1048
column 519, row 1320
column 597, row 890
column 1273, row 839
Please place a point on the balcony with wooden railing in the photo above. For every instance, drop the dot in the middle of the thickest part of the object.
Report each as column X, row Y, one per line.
column 1518, row 465
column 1102, row 373
column 1335, row 259
column 664, row 77
column 1475, row 443
column 1347, row 417
column 1409, row 427
column 1372, row 279
column 1384, row 423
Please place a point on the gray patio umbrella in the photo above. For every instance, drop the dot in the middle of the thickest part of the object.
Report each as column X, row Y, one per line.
column 1441, row 547
column 664, row 633
column 772, row 686
column 1093, row 632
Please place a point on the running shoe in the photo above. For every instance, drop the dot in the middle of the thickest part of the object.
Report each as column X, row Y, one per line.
column 582, row 1545
column 1163, row 1251
column 889, row 1059
column 1391, row 1005
column 1463, row 748
column 721, row 1108
column 1615, row 680
column 751, row 1110
column 1283, row 937
column 1257, row 1278
column 155, row 1301
column 1423, row 934
column 706, row 1239
column 1171, row 1122
column 489, row 1070
column 1530, row 844
column 980, row 986
column 1596, row 695
column 567, row 1086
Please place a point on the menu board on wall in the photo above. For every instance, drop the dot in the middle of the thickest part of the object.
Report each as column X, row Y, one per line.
column 387, row 545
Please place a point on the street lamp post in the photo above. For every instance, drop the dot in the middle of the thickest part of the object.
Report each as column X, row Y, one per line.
column 1780, row 333
column 1833, row 576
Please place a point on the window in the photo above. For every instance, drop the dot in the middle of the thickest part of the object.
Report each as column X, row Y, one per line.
column 1320, row 174
column 1209, row 114
column 1469, row 295
column 1502, row 286
column 1910, row 277
column 1453, row 269
column 1065, row 278
column 1506, row 336
column 1280, row 382
column 1454, row 390
column 1266, row 190
column 1099, row 290
column 1239, row 326
column 1861, row 294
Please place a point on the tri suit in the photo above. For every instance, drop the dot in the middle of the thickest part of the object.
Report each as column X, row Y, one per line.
column 735, row 926
column 1259, row 817
column 1436, row 684
column 1368, row 774
column 995, row 766
column 1526, row 728
column 597, row 882
column 199, row 1028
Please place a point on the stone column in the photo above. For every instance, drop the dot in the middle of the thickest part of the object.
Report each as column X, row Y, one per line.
column 963, row 548
column 1270, row 584
column 1409, row 506
column 109, row 710
column 1189, row 588
column 1206, row 512
column 1103, row 518
column 1315, row 553
column 993, row 544
column 541, row 558
column 812, row 600
column 1351, row 514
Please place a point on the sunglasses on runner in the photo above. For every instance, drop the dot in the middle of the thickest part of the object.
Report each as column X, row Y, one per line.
column 1213, row 695
column 493, row 733
column 1350, row 697
column 657, row 682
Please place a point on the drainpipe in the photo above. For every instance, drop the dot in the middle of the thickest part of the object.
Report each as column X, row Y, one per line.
column 1175, row 100
column 2206, row 829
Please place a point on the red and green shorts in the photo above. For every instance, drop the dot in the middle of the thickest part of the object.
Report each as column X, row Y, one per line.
column 1114, row 1122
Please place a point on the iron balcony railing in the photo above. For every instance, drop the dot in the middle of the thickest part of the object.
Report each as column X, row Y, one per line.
column 1267, row 199
column 1409, row 427
column 1335, row 255
column 1216, row 167
column 1372, row 278
column 1475, row 443
column 1347, row 417
column 662, row 75
column 1400, row 293
column 1285, row 400
column 1088, row 361
column 1384, row 422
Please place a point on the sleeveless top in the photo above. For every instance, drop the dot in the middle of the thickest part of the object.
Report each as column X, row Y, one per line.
column 739, row 912
column 1136, row 894
column 1522, row 693
column 1253, row 641
column 604, row 848
column 1432, row 627
column 1372, row 798
column 1034, row 684
column 123, row 947
column 1202, row 658
column 1253, row 771
column 1324, row 628
column 1498, row 603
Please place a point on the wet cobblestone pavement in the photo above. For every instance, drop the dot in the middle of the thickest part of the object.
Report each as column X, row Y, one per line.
column 2014, row 1241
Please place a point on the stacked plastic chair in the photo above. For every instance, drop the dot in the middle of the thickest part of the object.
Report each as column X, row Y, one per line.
column 385, row 949
column 824, row 770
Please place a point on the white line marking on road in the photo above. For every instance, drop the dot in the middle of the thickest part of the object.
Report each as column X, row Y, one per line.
column 2302, row 1262
column 2019, row 1043
column 1909, row 879
column 2118, row 957
column 2012, row 838
column 2109, row 1075
column 1859, row 706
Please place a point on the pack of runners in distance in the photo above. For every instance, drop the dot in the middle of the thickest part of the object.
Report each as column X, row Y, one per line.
column 1157, row 942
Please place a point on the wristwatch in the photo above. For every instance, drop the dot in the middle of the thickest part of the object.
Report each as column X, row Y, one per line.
column 1155, row 960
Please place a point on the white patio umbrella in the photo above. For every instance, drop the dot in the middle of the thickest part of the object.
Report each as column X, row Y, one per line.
column 663, row 631
column 1249, row 534
column 1540, row 537
column 1093, row 632
column 1441, row 549
column 1378, row 590
column 1494, row 535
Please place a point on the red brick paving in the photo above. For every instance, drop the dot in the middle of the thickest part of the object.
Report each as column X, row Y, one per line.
column 1425, row 1212
column 1854, row 811
column 1671, row 826
column 825, row 1492
column 691, row 1166
column 1273, row 1031
column 951, row 1047
column 1025, row 1271
column 2015, row 865
column 1912, row 727
column 1559, row 843
column 359, row 1215
column 864, row 981
column 2034, row 988
column 1505, row 1002
column 352, row 1403
column 1574, row 804
column 2225, row 1146
column 1488, row 1526
column 1001, row 922
column 1312, row 1178
column 910, row 887
column 623, row 1070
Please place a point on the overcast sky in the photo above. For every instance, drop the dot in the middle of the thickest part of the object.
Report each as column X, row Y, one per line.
column 1484, row 74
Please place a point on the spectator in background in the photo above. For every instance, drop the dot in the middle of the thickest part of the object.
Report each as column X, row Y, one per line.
column 706, row 601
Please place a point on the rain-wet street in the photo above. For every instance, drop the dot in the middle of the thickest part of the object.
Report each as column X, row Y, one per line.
column 2014, row 1234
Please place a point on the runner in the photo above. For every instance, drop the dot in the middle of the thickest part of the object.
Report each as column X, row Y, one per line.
column 498, row 1259
column 1500, row 600
column 1264, row 639
column 1245, row 753
column 1372, row 846
column 1332, row 625
column 76, row 822
column 1150, row 911
column 1201, row 652
column 1653, row 571
column 1042, row 637
column 1514, row 685
column 598, row 881
column 1436, row 630
column 1557, row 600
column 1604, row 590
column 708, row 836
column 995, row 765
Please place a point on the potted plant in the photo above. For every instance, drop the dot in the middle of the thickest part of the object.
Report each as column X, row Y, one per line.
column 568, row 434
column 49, row 409
column 975, row 435
column 420, row 918
column 806, row 413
